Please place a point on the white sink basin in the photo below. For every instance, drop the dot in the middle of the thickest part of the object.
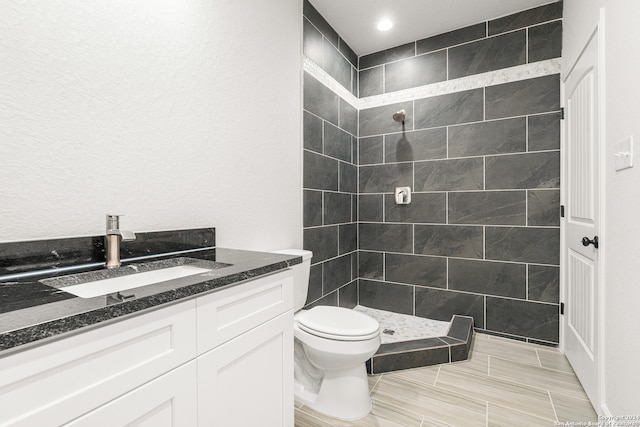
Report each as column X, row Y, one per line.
column 117, row 284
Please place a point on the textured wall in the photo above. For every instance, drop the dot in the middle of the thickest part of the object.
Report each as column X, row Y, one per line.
column 153, row 109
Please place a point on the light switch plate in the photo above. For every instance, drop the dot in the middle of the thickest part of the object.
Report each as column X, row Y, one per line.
column 624, row 154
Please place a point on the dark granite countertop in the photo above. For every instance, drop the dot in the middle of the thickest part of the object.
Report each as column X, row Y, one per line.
column 32, row 312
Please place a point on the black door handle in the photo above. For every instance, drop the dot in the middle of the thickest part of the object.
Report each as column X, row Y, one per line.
column 587, row 242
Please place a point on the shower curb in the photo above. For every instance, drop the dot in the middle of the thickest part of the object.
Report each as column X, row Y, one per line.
column 453, row 347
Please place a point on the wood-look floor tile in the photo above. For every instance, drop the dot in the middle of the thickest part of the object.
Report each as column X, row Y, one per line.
column 497, row 391
column 435, row 404
column 569, row 408
column 382, row 415
column 373, row 380
column 434, row 423
column 500, row 416
column 303, row 419
column 426, row 375
column 554, row 360
column 534, row 376
column 506, row 349
column 478, row 363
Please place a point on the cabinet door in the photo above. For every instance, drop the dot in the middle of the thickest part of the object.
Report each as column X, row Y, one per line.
column 248, row 381
column 56, row 382
column 167, row 401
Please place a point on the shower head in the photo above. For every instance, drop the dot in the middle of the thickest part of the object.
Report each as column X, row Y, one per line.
column 399, row 116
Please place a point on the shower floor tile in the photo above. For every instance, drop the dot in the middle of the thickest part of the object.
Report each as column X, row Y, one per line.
column 397, row 327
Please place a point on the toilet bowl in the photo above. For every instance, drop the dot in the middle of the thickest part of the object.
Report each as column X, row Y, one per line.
column 332, row 345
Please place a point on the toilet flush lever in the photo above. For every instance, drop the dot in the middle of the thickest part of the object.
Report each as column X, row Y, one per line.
column 403, row 195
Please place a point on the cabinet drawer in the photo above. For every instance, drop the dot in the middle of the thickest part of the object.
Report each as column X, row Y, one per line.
column 57, row 382
column 226, row 314
column 170, row 400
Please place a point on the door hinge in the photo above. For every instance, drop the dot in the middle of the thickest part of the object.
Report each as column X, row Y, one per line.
column 561, row 211
column 562, row 308
column 562, row 113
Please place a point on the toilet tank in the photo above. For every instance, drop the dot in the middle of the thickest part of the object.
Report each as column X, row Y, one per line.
column 300, row 275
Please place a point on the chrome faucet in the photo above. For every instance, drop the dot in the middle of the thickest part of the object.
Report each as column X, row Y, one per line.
column 112, row 240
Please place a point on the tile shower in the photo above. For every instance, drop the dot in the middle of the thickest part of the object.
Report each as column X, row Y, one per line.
column 480, row 153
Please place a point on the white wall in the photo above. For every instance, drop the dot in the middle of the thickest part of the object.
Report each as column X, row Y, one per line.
column 622, row 210
column 178, row 114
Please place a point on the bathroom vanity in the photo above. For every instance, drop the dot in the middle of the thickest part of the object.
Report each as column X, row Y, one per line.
column 196, row 351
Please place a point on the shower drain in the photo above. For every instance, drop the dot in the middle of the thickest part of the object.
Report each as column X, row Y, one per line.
column 388, row 331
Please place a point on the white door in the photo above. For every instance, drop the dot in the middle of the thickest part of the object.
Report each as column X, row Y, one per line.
column 582, row 207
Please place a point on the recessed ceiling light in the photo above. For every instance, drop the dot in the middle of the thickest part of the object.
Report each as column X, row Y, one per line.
column 385, row 24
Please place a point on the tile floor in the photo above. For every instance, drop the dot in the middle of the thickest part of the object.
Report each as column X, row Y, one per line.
column 504, row 383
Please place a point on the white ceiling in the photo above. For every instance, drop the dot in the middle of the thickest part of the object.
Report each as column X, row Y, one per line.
column 356, row 20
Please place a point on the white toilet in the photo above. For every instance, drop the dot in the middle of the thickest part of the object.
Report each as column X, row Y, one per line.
column 331, row 346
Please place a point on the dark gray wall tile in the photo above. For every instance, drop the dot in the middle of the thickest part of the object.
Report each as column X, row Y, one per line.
column 316, row 19
column 337, row 208
column 319, row 99
column 490, row 54
column 524, row 318
column 388, row 55
column 371, row 81
column 416, row 270
column 348, row 295
column 312, row 131
column 386, row 237
column 348, row 53
column 543, row 207
column 379, row 120
column 544, row 132
column 312, row 43
column 348, row 178
column 370, row 265
column 386, row 296
column 354, row 81
column 520, row 244
column 449, row 240
column 545, row 41
column 336, row 65
column 415, row 71
column 530, row 170
column 442, row 305
column 526, row 18
column 347, row 238
column 544, row 283
column 385, row 178
column 417, row 145
column 370, row 208
column 312, row 202
column 354, row 208
column 348, row 119
column 322, row 241
column 495, row 137
column 443, row 110
column 336, row 273
column 452, row 38
column 424, row 207
column 354, row 152
column 337, row 143
column 370, row 150
column 449, row 175
column 329, row 299
column 530, row 96
column 320, row 172
column 488, row 277
column 315, row 283
column 488, row 207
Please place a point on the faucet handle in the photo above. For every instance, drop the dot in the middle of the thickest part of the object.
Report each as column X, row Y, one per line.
column 127, row 236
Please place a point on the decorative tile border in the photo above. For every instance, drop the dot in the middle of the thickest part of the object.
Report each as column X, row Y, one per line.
column 505, row 75
column 453, row 347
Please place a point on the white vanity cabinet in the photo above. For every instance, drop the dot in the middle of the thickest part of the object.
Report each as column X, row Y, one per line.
column 223, row 359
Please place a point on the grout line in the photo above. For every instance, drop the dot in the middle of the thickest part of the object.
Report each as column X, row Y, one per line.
column 435, row 380
column 552, row 405
column 538, row 356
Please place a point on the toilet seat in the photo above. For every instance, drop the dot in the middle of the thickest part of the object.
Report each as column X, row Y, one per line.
column 338, row 323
